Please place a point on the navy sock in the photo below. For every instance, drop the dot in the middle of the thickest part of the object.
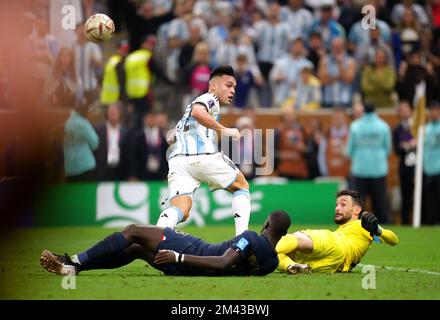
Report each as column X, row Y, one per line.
column 106, row 247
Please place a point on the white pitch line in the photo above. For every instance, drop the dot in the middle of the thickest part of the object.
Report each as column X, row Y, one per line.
column 402, row 269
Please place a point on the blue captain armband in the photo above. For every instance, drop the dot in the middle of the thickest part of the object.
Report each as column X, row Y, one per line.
column 242, row 244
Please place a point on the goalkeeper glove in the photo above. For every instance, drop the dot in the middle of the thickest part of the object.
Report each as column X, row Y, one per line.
column 370, row 223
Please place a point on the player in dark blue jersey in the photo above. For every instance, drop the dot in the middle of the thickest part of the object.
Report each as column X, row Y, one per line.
column 177, row 253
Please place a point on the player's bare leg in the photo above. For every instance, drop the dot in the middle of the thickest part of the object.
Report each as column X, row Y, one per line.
column 305, row 244
column 241, row 203
column 178, row 212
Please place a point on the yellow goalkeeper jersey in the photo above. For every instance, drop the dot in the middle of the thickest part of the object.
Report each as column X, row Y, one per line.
column 354, row 241
column 339, row 250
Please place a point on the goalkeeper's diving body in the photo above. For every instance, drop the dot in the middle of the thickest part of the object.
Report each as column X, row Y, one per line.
column 176, row 253
column 322, row 250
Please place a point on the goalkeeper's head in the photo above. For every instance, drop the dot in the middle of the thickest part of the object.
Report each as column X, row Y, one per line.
column 348, row 207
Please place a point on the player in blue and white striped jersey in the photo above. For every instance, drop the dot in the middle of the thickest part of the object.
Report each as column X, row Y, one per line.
column 194, row 157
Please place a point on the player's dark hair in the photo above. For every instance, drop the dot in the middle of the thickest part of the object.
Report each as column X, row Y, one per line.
column 369, row 107
column 221, row 71
column 356, row 197
column 279, row 221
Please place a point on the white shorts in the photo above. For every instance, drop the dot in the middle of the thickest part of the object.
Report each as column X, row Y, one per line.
column 187, row 172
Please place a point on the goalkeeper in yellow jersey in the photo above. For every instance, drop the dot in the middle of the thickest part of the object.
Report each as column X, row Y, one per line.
column 338, row 251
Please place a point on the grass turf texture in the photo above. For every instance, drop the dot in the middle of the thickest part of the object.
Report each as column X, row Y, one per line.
column 22, row 277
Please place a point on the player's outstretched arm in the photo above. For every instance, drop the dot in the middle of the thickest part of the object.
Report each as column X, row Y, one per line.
column 388, row 237
column 205, row 119
column 227, row 260
column 370, row 223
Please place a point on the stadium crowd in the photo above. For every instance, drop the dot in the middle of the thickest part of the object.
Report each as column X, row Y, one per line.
column 291, row 56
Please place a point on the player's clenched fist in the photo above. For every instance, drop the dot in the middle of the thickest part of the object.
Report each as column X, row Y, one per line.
column 231, row 132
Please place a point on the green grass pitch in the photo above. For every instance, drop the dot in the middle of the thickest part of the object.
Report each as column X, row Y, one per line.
column 410, row 270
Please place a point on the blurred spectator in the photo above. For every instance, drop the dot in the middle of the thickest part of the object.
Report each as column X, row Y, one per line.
column 162, row 122
column 247, row 9
column 314, row 137
column 178, row 35
column 408, row 35
column 359, row 37
column 430, row 58
column 285, row 74
column 405, row 148
column 337, row 163
column 112, row 155
column 212, row 11
column 400, row 9
column 383, row 9
column 63, row 88
column 80, row 140
column 237, row 43
column 272, row 38
column 141, row 20
column 337, row 72
column 149, row 151
column 431, row 167
column 219, row 31
column 378, row 81
column 297, row 17
column 46, row 49
column 369, row 145
column 187, row 50
column 113, row 82
column 140, row 69
column 316, row 49
column 258, row 19
column 327, row 26
column 357, row 111
column 245, row 82
column 195, row 76
column 350, row 12
column 206, row 9
column 411, row 73
column 306, row 96
column 88, row 63
column 290, row 147
column 366, row 53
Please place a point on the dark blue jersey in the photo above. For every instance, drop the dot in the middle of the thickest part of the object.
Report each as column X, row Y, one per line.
column 257, row 257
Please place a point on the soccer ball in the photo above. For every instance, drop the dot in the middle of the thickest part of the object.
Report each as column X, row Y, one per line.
column 99, row 27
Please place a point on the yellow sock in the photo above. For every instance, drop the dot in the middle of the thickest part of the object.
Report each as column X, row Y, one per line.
column 285, row 261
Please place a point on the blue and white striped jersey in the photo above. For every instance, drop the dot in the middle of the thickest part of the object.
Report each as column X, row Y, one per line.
column 192, row 138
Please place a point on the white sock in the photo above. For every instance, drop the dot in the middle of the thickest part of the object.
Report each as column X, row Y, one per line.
column 241, row 208
column 170, row 217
